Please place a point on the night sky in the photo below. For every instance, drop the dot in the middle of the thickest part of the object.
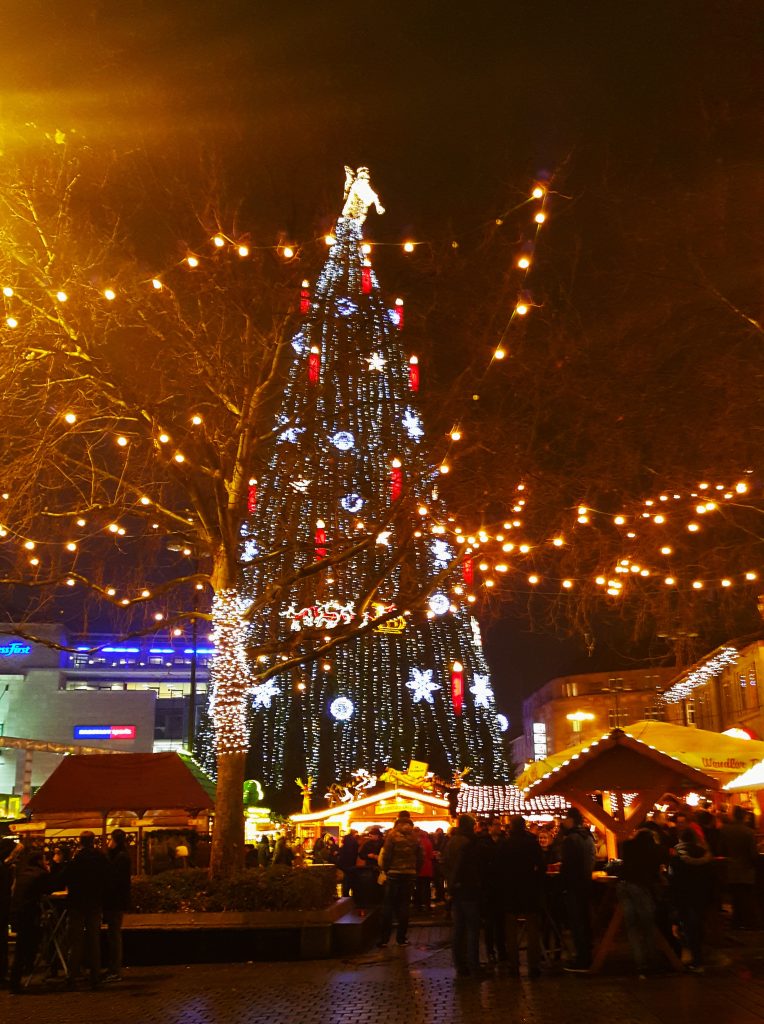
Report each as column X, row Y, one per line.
column 455, row 107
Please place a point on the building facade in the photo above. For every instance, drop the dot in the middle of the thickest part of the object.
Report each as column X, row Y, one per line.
column 128, row 695
column 571, row 709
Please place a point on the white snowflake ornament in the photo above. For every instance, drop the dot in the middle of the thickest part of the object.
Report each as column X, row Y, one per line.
column 421, row 685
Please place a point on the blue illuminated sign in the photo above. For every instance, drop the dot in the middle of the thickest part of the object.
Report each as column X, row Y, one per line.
column 13, row 649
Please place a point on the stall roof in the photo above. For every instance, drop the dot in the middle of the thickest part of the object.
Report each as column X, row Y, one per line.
column 127, row 782
column 749, row 782
column 506, row 800
column 710, row 752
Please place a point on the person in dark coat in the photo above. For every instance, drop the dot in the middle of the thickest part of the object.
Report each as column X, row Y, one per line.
column 117, row 899
column 30, row 885
column 689, row 881
column 87, row 881
column 639, row 881
column 492, row 910
column 400, row 860
column 577, row 859
column 369, row 849
column 462, row 867
column 524, row 869
column 737, row 843
column 6, row 882
column 347, row 859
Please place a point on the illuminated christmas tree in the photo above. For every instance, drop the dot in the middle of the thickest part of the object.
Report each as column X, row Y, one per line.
column 351, row 461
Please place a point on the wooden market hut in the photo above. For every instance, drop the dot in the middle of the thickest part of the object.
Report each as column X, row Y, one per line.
column 137, row 792
column 630, row 776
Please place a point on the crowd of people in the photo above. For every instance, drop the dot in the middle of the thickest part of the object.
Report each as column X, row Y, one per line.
column 80, row 892
column 541, row 880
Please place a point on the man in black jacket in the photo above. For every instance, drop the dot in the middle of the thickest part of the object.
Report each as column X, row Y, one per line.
column 577, row 858
column 524, row 871
column 117, row 899
column 463, row 870
column 86, row 879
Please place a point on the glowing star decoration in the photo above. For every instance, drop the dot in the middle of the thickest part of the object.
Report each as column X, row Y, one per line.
column 439, row 604
column 298, row 343
column 412, row 425
column 376, row 362
column 359, row 195
column 421, row 685
column 343, row 440
column 250, row 551
column 503, row 722
column 301, row 484
column 383, row 538
column 263, row 694
column 345, row 307
column 352, row 502
column 342, row 709
column 442, row 553
column 482, row 691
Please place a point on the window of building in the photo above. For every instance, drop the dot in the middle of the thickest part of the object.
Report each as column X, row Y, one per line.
column 540, row 748
column 617, row 718
column 690, row 712
column 156, row 661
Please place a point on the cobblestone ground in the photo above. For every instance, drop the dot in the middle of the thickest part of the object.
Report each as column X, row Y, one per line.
column 412, row 985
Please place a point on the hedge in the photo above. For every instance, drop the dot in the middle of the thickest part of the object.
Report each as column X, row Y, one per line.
column 274, row 888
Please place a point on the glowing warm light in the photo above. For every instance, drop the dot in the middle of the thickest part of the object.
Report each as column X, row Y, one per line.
column 145, row 593
column 81, row 522
column 580, row 716
column 567, row 584
column 741, row 488
column 179, row 457
column 422, row 510
column 287, row 252
column 502, row 567
column 697, row 585
column 538, row 192
column 366, row 249
column 558, row 542
column 583, row 519
column 521, row 308
column 600, row 581
column 619, row 520
column 70, row 583
column 71, row 546
column 34, row 561
column 490, row 583
column 751, row 576
column 156, row 284
column 218, row 241
column 329, row 239
column 693, row 527
column 158, row 616
column 29, row 545
column 525, row 548
column 523, row 263
column 444, row 468
column 110, row 294
column 164, row 438
column 726, row 583
column 659, row 519
column 113, row 527
column 8, row 292
column 533, row 579
column 243, row 251
column 70, row 417
column 457, row 666
column 122, row 441
column 456, row 435
column 11, row 322
column 540, row 218
column 192, row 261
column 500, row 353
column 111, row 592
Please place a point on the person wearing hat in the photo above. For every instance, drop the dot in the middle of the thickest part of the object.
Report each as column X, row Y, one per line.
column 577, row 858
column 400, row 860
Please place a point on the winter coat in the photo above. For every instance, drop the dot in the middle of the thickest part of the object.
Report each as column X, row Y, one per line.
column 641, row 861
column 462, row 866
column 348, row 855
column 523, row 871
column 31, row 884
column 690, row 874
column 118, row 892
column 738, row 844
column 401, row 853
column 426, row 869
column 86, row 878
column 578, row 855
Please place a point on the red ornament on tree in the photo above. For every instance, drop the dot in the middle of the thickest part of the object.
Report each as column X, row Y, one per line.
column 252, row 496
column 314, row 365
column 468, row 571
column 399, row 312
column 396, row 480
column 320, row 540
column 414, row 374
column 305, row 297
column 366, row 278
column 457, row 687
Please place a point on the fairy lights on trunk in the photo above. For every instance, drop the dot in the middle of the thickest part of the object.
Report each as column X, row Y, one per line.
column 230, row 673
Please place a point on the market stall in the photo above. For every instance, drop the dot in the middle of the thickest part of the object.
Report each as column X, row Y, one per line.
column 427, row 810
